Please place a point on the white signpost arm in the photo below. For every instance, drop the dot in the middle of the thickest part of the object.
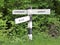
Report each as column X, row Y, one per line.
column 22, row 19
column 19, row 12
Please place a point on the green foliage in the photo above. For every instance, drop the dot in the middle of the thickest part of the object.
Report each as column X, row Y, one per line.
column 8, row 28
column 1, row 3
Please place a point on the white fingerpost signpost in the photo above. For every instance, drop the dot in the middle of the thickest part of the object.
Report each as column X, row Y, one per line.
column 29, row 17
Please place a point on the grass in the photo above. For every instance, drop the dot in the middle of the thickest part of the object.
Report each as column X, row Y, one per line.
column 38, row 39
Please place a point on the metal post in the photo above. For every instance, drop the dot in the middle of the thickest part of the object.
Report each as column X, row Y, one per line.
column 30, row 24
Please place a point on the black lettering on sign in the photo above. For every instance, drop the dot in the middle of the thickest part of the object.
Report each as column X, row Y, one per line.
column 41, row 11
column 21, row 20
column 19, row 12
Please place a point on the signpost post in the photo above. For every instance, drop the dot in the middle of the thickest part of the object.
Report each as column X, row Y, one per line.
column 30, row 24
column 29, row 17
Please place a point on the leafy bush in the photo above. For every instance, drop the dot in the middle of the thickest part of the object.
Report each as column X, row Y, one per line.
column 40, row 22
